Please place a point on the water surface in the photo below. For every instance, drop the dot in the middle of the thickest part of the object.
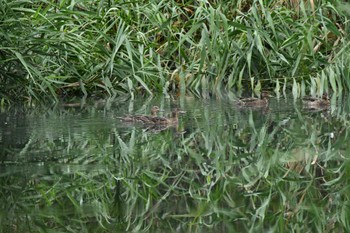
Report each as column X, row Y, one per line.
column 76, row 168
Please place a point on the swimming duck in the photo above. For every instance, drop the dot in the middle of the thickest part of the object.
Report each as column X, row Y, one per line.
column 141, row 118
column 315, row 102
column 254, row 101
column 173, row 120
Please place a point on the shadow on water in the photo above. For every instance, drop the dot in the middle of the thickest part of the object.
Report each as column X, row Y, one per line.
column 223, row 168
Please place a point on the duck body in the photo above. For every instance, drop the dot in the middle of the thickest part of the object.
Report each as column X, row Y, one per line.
column 141, row 118
column 134, row 118
column 164, row 120
column 254, row 101
column 157, row 120
column 314, row 102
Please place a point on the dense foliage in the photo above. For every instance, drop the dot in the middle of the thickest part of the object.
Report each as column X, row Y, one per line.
column 52, row 49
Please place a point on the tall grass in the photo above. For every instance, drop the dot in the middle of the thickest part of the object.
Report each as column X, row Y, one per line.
column 59, row 49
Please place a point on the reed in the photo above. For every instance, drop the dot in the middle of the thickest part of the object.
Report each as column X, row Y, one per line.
column 52, row 50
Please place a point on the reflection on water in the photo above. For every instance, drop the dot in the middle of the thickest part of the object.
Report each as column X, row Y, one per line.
column 221, row 168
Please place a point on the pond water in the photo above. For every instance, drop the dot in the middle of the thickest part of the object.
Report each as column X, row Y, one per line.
column 77, row 168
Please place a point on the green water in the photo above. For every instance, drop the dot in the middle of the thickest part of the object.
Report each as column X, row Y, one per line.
column 221, row 169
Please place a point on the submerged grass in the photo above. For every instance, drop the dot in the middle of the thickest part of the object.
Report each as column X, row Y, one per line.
column 62, row 48
column 278, row 171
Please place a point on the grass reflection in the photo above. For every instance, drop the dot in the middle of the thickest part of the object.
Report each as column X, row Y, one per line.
column 226, row 169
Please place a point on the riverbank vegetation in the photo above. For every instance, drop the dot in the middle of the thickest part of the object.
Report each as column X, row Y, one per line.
column 58, row 49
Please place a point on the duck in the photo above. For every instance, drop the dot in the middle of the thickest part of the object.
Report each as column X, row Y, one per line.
column 254, row 101
column 141, row 118
column 316, row 102
column 157, row 120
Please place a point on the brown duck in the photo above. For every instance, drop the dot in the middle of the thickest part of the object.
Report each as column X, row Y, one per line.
column 315, row 103
column 254, row 101
column 141, row 118
column 173, row 120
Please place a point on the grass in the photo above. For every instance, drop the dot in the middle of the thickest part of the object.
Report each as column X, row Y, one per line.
column 52, row 50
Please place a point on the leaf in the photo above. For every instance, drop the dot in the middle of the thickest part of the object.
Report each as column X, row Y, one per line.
column 277, row 88
column 296, row 65
column 332, row 80
column 295, row 89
